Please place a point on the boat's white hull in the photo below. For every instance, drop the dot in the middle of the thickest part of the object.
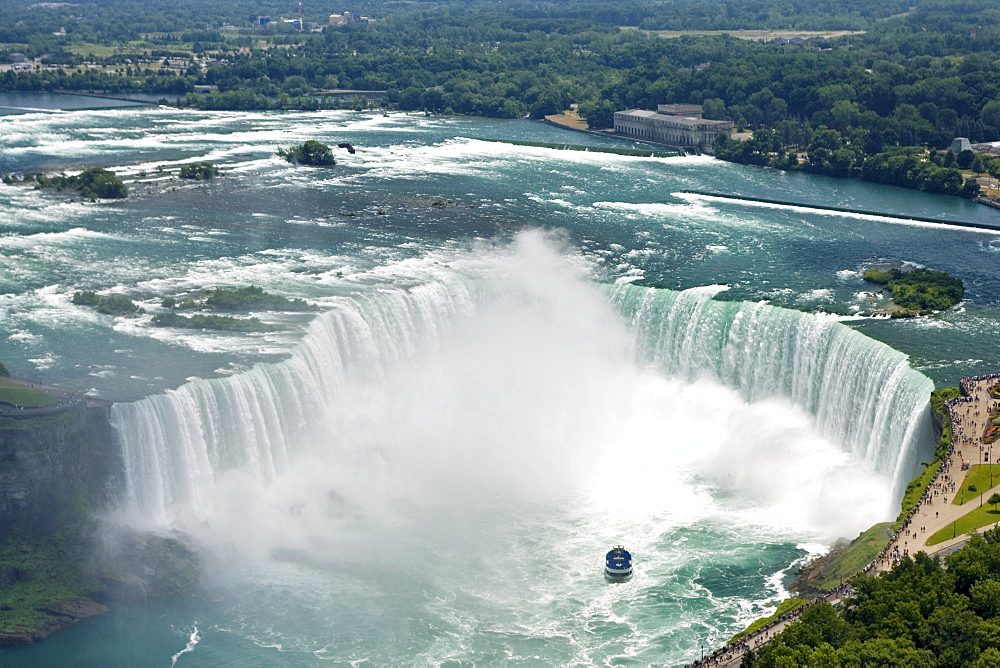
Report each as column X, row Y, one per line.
column 618, row 575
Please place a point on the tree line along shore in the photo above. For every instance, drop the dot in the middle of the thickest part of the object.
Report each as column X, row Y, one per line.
column 882, row 101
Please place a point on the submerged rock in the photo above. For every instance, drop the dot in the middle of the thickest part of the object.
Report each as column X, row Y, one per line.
column 136, row 566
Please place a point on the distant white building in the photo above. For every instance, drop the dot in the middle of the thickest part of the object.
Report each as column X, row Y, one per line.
column 673, row 124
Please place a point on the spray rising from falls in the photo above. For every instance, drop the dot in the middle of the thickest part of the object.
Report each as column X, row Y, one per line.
column 499, row 370
column 863, row 394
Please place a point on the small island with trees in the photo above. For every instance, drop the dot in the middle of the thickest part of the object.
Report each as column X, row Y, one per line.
column 92, row 183
column 312, row 153
column 199, row 171
column 223, row 323
column 918, row 291
column 250, row 298
column 112, row 305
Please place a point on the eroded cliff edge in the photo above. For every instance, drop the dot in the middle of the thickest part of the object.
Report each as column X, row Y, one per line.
column 60, row 469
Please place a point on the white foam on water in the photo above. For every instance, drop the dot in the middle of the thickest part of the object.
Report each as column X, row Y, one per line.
column 686, row 213
column 193, row 639
column 70, row 237
column 816, row 295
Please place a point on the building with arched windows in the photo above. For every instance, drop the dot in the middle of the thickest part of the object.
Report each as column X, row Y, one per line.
column 674, row 124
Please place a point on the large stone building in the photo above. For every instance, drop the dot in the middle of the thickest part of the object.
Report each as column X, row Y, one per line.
column 673, row 124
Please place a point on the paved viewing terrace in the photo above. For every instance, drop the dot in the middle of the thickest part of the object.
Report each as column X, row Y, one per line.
column 23, row 400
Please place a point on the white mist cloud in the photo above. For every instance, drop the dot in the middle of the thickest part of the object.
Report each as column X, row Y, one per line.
column 506, row 380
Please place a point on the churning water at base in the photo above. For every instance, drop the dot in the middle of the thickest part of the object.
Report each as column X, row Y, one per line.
column 436, row 470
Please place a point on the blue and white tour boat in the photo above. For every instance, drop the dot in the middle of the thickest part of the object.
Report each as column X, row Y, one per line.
column 618, row 564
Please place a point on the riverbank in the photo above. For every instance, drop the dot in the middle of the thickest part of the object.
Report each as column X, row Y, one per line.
column 52, row 580
column 573, row 121
column 968, row 421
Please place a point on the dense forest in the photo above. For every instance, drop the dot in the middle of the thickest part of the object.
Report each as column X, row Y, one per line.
column 865, row 105
column 918, row 78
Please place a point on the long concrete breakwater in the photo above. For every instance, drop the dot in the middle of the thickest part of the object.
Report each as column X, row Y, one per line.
column 842, row 209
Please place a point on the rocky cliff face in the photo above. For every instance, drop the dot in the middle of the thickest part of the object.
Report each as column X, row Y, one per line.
column 58, row 468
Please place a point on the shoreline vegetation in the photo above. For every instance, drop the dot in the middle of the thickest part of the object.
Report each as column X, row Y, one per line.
column 845, row 561
column 856, row 90
column 914, row 167
column 92, row 183
column 962, row 579
column 784, row 607
column 924, row 612
column 52, row 580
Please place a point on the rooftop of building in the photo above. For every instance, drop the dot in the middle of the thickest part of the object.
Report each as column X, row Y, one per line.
column 683, row 120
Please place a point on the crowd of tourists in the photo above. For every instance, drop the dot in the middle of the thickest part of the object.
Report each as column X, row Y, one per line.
column 761, row 636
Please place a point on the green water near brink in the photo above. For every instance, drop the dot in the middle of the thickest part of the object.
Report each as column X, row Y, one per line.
column 475, row 535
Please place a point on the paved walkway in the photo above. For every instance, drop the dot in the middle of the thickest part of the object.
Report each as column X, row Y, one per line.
column 67, row 400
column 969, row 415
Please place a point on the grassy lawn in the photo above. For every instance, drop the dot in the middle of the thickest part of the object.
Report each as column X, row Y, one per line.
column 88, row 49
column 974, row 519
column 783, row 607
column 979, row 476
column 857, row 555
column 15, row 393
column 843, row 562
column 914, row 491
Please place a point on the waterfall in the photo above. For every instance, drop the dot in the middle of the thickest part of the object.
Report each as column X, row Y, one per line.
column 326, row 397
column 178, row 443
column 863, row 393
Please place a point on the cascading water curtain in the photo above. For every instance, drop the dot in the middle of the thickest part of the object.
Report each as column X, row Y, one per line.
column 863, row 393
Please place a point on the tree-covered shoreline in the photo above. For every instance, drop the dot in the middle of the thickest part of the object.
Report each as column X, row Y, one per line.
column 924, row 612
column 880, row 105
column 913, row 79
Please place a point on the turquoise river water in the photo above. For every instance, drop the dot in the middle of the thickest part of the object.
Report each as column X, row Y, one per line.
column 563, row 353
